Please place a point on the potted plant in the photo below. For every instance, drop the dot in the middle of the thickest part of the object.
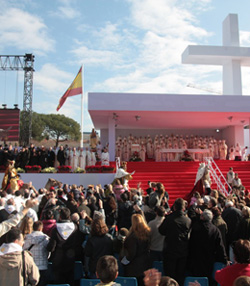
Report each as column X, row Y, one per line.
column 135, row 157
column 108, row 169
column 49, row 170
column 93, row 169
column 64, row 169
column 186, row 156
column 79, row 170
column 33, row 169
column 20, row 170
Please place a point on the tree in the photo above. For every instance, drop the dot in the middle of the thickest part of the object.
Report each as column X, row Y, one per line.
column 58, row 127
column 54, row 126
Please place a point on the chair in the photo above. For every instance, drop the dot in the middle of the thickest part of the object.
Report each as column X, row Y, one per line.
column 218, row 266
column 159, row 266
column 126, row 281
column 202, row 280
column 57, row 285
column 89, row 282
column 78, row 271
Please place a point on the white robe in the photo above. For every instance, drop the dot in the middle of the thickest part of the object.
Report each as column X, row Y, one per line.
column 74, row 158
column 82, row 159
column 105, row 159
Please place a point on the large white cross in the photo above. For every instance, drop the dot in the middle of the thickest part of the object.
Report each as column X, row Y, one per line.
column 231, row 56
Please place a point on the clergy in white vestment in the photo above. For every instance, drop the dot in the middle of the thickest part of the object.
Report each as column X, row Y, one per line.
column 67, row 159
column 231, row 153
column 150, row 149
column 99, row 149
column 82, row 159
column 223, row 150
column 74, row 158
column 93, row 158
column 88, row 157
column 237, row 152
column 125, row 153
column 105, row 158
column 142, row 152
column 158, row 152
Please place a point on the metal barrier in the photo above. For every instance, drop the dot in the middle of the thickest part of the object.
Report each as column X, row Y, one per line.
column 217, row 176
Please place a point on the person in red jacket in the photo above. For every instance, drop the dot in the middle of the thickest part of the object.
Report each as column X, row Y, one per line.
column 227, row 275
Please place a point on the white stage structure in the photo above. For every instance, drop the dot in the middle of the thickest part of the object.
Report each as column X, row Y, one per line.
column 141, row 114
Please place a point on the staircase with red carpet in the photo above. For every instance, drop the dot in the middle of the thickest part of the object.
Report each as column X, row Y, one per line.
column 179, row 177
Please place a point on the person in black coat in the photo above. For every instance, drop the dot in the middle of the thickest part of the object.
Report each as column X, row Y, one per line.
column 63, row 245
column 176, row 228
column 61, row 156
column 205, row 247
column 232, row 216
column 51, row 157
column 99, row 243
column 42, row 157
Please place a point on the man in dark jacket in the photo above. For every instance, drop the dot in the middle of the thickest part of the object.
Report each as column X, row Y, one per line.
column 51, row 157
column 63, row 245
column 232, row 216
column 176, row 228
column 61, row 156
column 205, row 247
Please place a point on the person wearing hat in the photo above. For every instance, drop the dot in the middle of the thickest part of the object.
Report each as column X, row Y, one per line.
column 121, row 178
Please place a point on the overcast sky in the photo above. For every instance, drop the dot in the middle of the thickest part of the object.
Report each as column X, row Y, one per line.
column 124, row 45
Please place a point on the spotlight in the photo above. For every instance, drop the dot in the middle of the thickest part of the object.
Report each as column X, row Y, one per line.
column 137, row 117
column 217, row 130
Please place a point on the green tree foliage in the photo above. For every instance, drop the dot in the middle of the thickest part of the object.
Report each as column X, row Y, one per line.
column 53, row 126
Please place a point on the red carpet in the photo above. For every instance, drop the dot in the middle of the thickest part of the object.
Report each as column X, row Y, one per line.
column 179, row 177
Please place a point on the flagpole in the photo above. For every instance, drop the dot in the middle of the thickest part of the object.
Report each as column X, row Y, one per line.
column 82, row 107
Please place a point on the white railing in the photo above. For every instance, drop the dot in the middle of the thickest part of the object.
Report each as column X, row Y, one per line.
column 217, row 176
column 118, row 162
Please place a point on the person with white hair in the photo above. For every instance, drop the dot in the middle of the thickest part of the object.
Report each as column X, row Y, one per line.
column 232, row 216
column 205, row 247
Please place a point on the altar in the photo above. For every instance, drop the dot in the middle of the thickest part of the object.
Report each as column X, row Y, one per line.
column 193, row 152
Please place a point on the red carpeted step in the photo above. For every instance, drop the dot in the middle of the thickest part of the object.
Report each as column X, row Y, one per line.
column 179, row 177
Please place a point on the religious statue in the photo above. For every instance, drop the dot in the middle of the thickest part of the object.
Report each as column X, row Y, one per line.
column 11, row 178
column 93, row 139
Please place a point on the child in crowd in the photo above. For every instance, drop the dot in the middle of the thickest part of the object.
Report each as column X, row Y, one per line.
column 107, row 270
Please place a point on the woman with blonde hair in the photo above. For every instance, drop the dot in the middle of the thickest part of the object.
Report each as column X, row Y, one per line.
column 136, row 246
column 26, row 226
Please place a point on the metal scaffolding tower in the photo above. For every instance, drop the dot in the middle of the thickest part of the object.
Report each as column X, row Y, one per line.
column 25, row 63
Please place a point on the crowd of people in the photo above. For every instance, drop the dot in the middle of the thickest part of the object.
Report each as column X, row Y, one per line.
column 137, row 227
column 159, row 147
column 54, row 157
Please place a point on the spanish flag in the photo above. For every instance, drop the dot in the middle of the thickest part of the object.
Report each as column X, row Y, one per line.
column 74, row 89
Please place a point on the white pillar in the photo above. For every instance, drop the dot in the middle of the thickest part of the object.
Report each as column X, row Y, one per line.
column 111, row 139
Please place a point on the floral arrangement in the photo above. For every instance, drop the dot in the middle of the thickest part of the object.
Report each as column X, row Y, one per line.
column 79, row 170
column 64, row 168
column 108, row 169
column 95, row 169
column 20, row 170
column 135, row 157
column 186, row 156
column 49, row 170
column 33, row 168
